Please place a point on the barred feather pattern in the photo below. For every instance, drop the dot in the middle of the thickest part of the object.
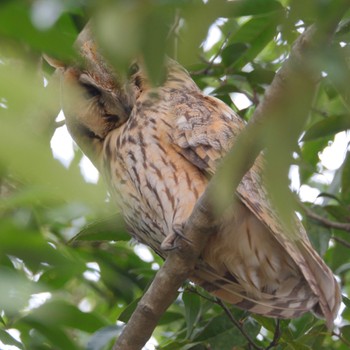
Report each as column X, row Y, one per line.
column 157, row 149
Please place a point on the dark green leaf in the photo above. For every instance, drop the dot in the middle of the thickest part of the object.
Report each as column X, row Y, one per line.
column 233, row 52
column 327, row 127
column 221, row 334
column 169, row 317
column 192, row 311
column 345, row 181
column 345, row 332
column 128, row 311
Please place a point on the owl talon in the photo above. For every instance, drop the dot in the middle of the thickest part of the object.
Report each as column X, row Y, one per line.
column 169, row 242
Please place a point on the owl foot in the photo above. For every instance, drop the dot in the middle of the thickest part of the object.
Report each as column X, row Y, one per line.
column 169, row 242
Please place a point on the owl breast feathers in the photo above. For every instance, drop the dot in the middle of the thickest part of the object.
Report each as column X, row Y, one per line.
column 157, row 148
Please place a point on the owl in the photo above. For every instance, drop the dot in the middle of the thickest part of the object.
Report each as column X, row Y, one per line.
column 157, row 148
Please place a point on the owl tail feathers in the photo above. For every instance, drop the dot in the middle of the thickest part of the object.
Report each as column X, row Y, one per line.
column 319, row 293
column 284, row 303
column 323, row 284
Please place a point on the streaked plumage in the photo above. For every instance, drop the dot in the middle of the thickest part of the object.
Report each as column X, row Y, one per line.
column 157, row 149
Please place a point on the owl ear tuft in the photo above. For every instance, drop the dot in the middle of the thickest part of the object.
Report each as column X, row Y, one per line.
column 53, row 62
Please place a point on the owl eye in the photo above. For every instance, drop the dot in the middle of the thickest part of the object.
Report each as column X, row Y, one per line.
column 134, row 68
column 90, row 91
column 87, row 132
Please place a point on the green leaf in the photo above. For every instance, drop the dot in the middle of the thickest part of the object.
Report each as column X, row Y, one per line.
column 256, row 33
column 111, row 228
column 7, row 339
column 192, row 311
column 327, row 127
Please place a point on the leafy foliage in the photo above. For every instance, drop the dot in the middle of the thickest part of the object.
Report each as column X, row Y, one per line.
column 67, row 269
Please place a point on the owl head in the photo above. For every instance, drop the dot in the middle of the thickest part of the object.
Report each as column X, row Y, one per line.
column 95, row 100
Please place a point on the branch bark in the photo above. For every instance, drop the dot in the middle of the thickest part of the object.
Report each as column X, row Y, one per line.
column 180, row 263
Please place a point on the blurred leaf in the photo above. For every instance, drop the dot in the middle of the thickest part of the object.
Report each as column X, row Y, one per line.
column 327, row 127
column 29, row 246
column 52, row 334
column 155, row 25
column 57, row 40
column 59, row 313
column 7, row 339
column 102, row 337
column 252, row 7
column 15, row 290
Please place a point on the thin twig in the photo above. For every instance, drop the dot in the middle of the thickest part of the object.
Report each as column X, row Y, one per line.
column 341, row 241
column 228, row 313
column 276, row 336
column 341, row 338
column 326, row 222
column 211, row 62
column 237, row 324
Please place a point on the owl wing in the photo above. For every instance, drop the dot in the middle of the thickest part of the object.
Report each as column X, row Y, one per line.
column 204, row 133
